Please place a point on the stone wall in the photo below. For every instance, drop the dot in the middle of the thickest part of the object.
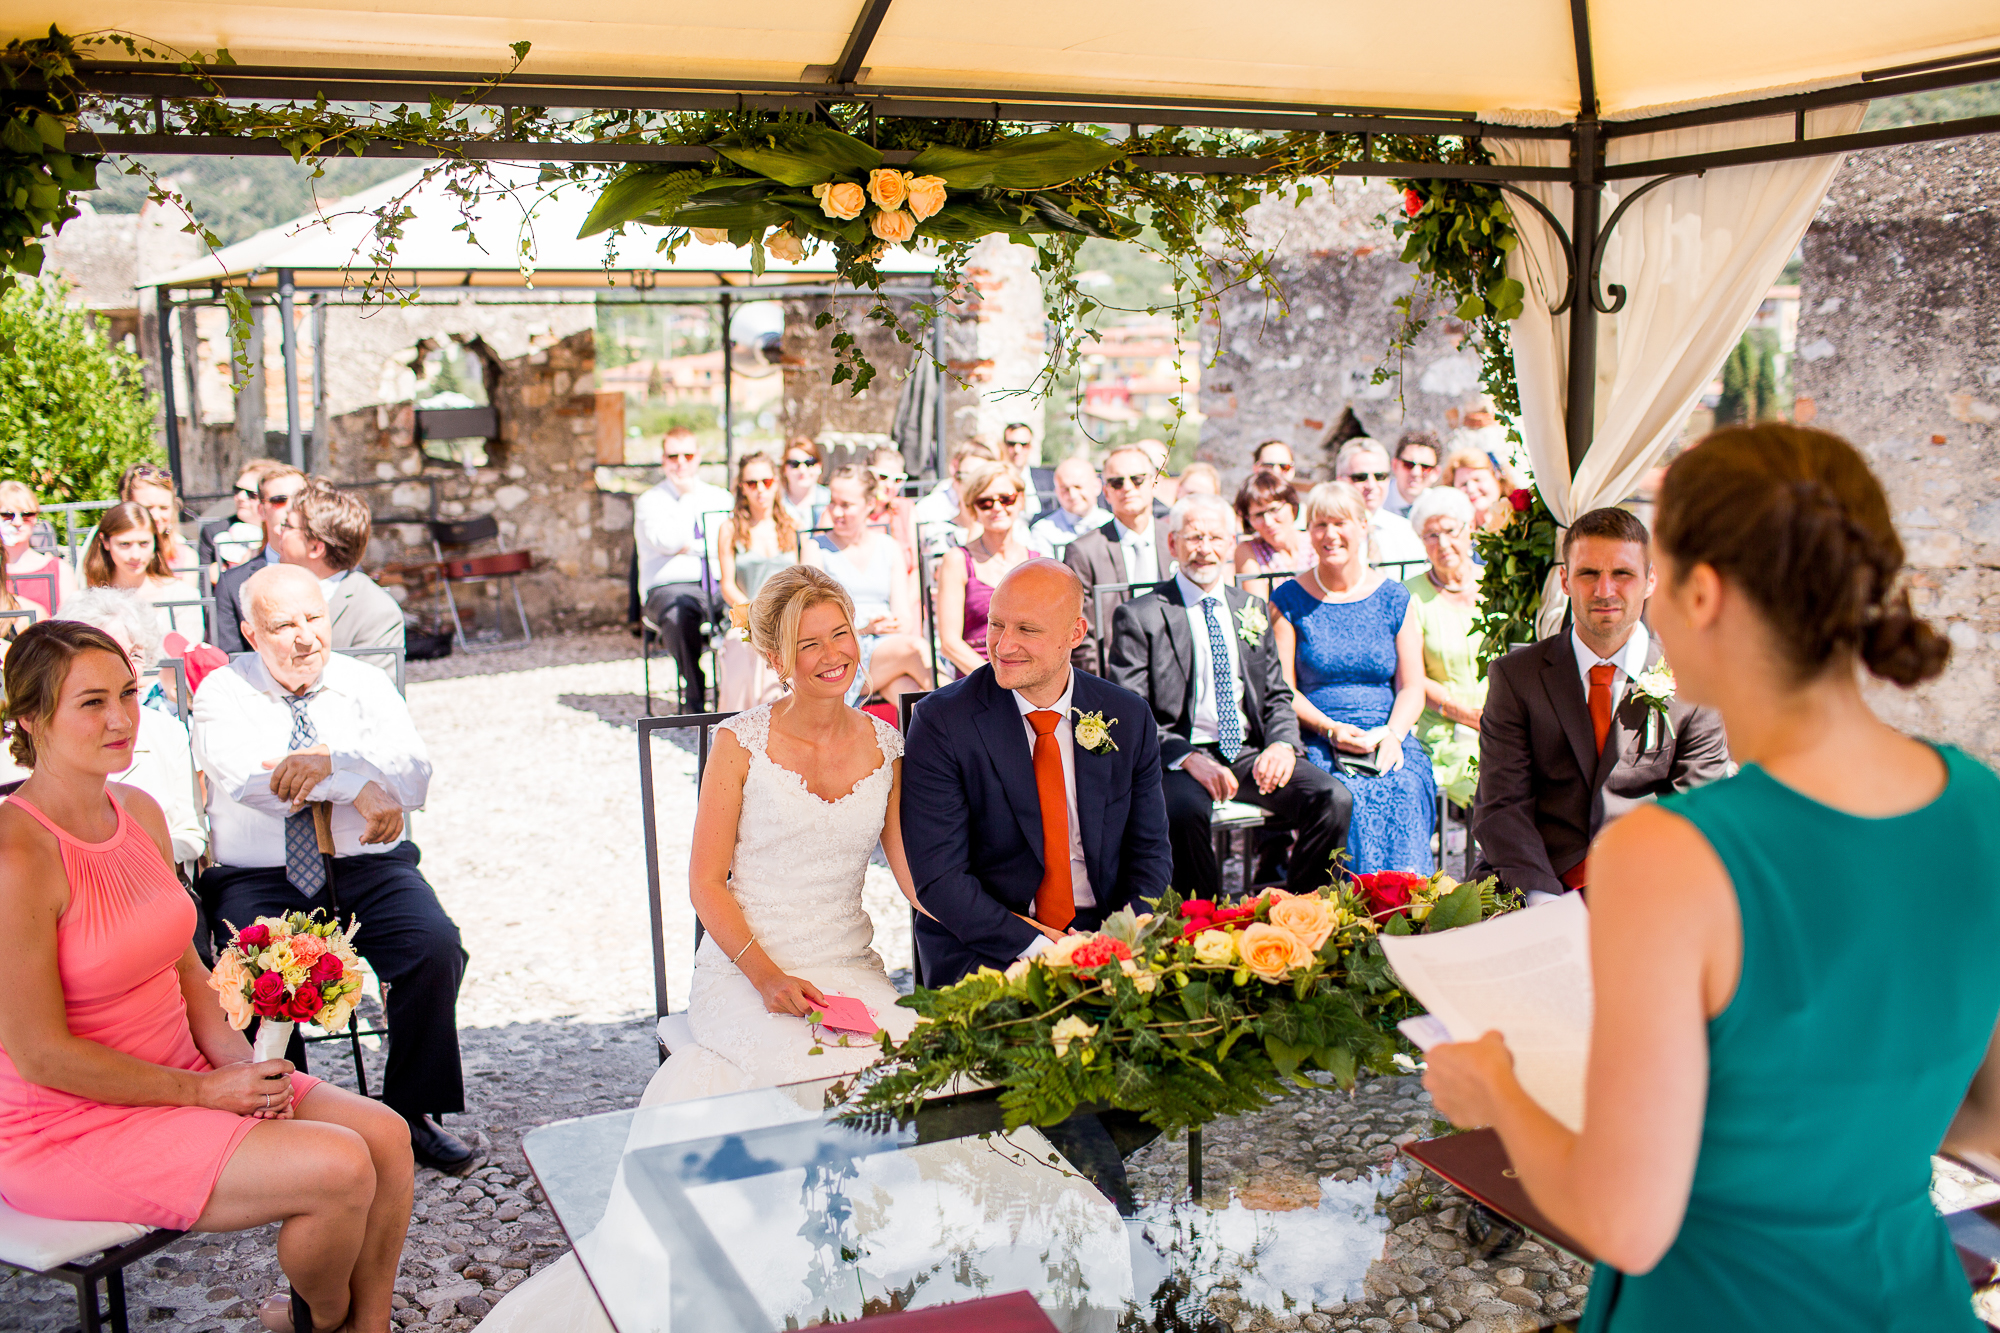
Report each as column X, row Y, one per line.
column 540, row 487
column 1295, row 377
column 1899, row 351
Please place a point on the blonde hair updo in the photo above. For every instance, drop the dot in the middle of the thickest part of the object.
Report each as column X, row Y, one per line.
column 772, row 619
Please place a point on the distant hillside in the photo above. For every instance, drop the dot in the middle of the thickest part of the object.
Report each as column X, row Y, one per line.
column 1981, row 99
column 239, row 196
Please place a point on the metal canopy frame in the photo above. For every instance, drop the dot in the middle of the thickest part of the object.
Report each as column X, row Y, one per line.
column 1582, row 242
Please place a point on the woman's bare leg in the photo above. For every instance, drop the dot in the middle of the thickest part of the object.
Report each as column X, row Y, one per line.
column 897, row 656
column 388, row 1138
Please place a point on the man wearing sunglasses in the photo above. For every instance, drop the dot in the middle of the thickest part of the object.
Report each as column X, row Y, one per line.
column 1017, row 446
column 1130, row 549
column 1416, row 469
column 275, row 493
column 669, row 523
column 1364, row 464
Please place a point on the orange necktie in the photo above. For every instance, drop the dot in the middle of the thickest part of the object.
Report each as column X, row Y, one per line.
column 1600, row 701
column 1055, row 898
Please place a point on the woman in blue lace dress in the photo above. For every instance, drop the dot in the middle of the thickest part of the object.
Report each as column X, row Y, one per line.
column 1353, row 651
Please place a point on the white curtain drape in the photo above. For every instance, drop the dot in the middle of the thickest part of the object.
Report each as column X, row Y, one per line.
column 1696, row 257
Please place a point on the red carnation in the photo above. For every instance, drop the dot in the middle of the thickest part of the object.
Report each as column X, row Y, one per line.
column 1413, row 203
column 1099, row 951
column 328, row 968
column 305, row 1003
column 267, row 996
column 1520, row 499
column 254, row 937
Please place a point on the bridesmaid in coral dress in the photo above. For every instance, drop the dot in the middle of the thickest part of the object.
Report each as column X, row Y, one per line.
column 124, row 1093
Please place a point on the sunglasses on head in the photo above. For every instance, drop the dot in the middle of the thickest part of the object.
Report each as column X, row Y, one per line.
column 796, row 463
column 1136, row 479
column 1368, row 476
column 986, row 503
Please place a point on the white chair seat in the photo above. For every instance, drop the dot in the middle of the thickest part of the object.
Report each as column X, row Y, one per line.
column 42, row 1243
column 676, row 1034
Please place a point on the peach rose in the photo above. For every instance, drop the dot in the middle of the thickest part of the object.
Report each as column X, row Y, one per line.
column 925, row 195
column 1311, row 919
column 888, row 188
column 230, row 979
column 783, row 245
column 840, row 199
column 893, row 227
column 1271, row 952
column 711, row 235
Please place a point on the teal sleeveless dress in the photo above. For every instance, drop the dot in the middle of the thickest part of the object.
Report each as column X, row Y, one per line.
column 1868, row 997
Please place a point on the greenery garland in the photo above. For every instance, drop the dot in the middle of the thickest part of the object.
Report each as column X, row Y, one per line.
column 1518, row 559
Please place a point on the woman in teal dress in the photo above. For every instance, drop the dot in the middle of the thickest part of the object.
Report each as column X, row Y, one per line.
column 1794, row 972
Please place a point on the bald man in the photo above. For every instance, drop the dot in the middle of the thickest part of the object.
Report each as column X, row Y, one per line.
column 297, row 724
column 1031, row 796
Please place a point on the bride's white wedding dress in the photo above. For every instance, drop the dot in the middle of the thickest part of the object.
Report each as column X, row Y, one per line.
column 797, row 874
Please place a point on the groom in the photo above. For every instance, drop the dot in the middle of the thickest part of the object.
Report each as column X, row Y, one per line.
column 1022, row 818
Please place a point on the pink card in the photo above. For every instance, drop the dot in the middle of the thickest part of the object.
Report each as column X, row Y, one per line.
column 844, row 1013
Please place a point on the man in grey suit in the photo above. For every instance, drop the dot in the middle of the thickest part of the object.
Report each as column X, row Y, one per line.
column 1131, row 548
column 1566, row 744
column 326, row 533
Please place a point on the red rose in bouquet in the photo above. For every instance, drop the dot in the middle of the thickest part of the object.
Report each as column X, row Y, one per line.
column 254, row 937
column 1387, row 890
column 327, row 968
column 1413, row 203
column 1520, row 499
column 305, row 1005
column 267, row 996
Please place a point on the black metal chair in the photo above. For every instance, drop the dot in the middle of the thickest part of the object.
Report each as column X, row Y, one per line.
column 670, row 1029
column 711, row 628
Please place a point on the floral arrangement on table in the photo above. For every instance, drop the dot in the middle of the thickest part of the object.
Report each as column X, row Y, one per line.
column 286, row 970
column 1193, row 1010
column 1519, row 555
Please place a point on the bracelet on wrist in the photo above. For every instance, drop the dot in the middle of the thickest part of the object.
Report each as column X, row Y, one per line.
column 745, row 949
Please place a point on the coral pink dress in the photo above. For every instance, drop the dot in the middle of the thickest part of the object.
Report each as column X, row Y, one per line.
column 117, row 946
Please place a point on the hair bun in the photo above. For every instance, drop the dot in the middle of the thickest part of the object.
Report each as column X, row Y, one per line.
column 1900, row 646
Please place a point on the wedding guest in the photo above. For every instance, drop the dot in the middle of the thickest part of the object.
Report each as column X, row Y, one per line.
column 800, row 490
column 1128, row 550
column 127, row 1095
column 39, row 578
column 1364, row 464
column 125, row 553
column 1446, row 602
column 1199, row 479
column 1774, row 1055
column 670, row 524
column 755, row 541
column 1566, row 744
column 275, row 493
column 1415, row 464
column 1268, row 507
column 162, row 763
column 938, row 514
column 230, row 541
column 326, row 533
column 869, row 564
column 1017, row 447
column 152, row 489
column 1275, row 456
column 967, row 578
column 1076, row 510
column 1472, row 472
column 1353, row 653
column 293, row 723
column 1203, row 655
column 894, row 512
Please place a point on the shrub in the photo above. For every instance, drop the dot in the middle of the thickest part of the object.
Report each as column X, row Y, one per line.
column 74, row 411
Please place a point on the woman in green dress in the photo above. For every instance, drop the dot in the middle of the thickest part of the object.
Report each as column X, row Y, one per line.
column 1794, row 972
column 1446, row 597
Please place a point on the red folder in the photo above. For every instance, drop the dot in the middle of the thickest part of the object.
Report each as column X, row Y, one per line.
column 1477, row 1164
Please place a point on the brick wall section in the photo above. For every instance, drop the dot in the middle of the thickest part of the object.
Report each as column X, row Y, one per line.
column 1899, row 351
column 540, row 486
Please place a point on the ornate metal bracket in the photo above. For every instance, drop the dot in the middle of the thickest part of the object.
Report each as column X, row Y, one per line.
column 1596, row 293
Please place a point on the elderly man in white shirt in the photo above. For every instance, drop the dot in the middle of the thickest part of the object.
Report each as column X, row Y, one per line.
column 670, row 524
column 298, row 724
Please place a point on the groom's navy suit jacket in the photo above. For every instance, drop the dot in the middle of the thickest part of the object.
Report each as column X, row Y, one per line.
column 972, row 823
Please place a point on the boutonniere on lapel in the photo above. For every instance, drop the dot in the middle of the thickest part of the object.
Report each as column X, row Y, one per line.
column 1655, row 689
column 1251, row 622
column 1093, row 733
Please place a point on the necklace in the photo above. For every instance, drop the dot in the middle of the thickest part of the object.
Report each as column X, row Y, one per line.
column 1326, row 594
column 1440, row 585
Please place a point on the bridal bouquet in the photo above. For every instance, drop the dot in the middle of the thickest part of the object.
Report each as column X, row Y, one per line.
column 297, row 968
column 1194, row 1010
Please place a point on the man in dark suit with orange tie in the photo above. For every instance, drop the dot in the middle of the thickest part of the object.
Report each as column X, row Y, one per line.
column 1567, row 743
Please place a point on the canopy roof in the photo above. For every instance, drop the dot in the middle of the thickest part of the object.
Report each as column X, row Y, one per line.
column 1466, row 56
column 332, row 250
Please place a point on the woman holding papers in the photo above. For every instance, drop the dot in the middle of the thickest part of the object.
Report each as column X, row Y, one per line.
column 1784, row 1031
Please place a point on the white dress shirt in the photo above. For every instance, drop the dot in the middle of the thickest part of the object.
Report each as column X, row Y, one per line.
column 1391, row 538
column 241, row 720
column 1058, row 528
column 1204, row 729
column 1065, row 734
column 1630, row 661
column 667, row 527
column 163, row 767
column 1142, row 561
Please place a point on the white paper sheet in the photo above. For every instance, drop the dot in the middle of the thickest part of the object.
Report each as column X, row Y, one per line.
column 1525, row 974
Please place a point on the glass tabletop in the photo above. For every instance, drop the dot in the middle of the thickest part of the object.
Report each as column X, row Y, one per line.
column 761, row 1211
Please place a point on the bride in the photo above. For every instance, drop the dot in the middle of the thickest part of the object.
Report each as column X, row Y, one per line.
column 783, row 930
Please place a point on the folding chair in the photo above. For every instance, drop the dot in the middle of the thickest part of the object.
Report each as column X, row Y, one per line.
column 671, row 1029
column 1100, row 609
column 500, row 566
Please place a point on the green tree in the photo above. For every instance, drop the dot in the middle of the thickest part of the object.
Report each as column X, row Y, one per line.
column 1750, row 390
column 74, row 411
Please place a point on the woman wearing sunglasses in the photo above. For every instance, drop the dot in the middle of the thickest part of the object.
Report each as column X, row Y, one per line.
column 799, row 489
column 38, row 578
column 966, row 578
column 229, row 542
column 756, row 541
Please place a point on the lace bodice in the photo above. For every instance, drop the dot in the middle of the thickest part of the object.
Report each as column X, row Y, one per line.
column 800, row 860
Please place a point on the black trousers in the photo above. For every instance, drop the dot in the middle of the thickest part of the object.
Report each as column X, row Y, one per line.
column 679, row 609
column 1312, row 802
column 405, row 936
